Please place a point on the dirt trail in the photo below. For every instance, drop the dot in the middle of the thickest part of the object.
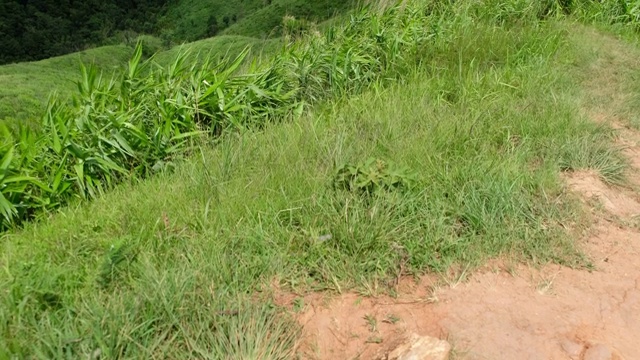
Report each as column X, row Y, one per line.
column 517, row 312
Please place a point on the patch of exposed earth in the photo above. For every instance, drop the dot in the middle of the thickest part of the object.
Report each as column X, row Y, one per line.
column 499, row 312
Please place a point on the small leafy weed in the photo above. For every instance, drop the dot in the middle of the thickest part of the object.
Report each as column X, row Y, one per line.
column 372, row 176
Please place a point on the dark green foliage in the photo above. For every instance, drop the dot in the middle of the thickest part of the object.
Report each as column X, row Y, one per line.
column 212, row 26
column 46, row 28
column 38, row 29
column 267, row 21
column 189, row 20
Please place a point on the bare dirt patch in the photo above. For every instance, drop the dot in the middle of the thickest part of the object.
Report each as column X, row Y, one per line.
column 499, row 313
column 516, row 312
column 617, row 201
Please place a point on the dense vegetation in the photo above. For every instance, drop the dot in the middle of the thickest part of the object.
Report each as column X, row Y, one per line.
column 26, row 86
column 407, row 139
column 39, row 29
column 195, row 19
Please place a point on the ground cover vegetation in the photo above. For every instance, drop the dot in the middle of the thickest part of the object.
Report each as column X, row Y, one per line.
column 143, row 119
column 26, row 87
column 410, row 138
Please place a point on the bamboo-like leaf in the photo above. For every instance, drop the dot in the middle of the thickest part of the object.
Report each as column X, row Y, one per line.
column 7, row 209
column 76, row 151
column 135, row 60
column 123, row 142
column 79, row 168
column 6, row 159
column 187, row 135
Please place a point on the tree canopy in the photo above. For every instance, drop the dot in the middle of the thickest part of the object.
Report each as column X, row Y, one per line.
column 38, row 29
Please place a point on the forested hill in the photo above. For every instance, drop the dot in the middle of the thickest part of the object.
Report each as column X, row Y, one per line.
column 38, row 29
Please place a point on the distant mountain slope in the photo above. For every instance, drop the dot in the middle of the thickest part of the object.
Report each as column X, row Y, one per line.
column 266, row 21
column 196, row 19
column 189, row 20
column 24, row 87
column 39, row 29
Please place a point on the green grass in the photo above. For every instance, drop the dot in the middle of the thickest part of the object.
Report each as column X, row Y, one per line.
column 183, row 265
column 25, row 87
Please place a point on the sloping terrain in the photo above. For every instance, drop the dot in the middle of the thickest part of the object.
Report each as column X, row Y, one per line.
column 464, row 170
column 512, row 311
column 25, row 87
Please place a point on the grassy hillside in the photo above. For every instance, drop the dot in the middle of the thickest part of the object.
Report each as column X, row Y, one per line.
column 192, row 19
column 450, row 156
column 267, row 21
column 25, row 87
column 189, row 19
column 219, row 47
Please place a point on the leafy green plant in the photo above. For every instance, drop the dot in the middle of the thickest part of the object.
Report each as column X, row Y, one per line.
column 372, row 176
column 118, row 260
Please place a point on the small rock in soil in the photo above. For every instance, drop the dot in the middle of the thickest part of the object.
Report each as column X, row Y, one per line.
column 421, row 348
column 598, row 352
column 572, row 348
